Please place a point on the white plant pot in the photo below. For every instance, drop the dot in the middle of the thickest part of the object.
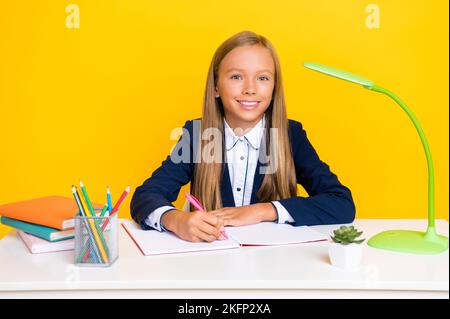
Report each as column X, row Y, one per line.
column 345, row 256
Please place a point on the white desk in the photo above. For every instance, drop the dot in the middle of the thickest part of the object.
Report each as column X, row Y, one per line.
column 293, row 271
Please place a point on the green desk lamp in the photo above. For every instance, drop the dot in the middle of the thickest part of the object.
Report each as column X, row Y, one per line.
column 399, row 240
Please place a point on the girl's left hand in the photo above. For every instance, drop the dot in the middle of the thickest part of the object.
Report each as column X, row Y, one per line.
column 246, row 215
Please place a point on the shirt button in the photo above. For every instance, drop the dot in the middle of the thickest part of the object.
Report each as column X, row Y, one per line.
column 242, row 157
column 238, row 189
column 156, row 224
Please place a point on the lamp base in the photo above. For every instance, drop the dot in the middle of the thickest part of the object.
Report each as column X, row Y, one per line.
column 408, row 241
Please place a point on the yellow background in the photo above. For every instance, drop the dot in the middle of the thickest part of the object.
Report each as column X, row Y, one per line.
column 98, row 103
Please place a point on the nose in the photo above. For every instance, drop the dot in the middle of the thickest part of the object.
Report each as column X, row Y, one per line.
column 249, row 88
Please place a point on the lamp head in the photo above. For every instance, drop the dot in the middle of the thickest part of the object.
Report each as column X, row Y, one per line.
column 344, row 75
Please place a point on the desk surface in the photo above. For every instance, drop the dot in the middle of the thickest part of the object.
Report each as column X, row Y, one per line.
column 291, row 271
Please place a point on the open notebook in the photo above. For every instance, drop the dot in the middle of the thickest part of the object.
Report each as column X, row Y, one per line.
column 153, row 242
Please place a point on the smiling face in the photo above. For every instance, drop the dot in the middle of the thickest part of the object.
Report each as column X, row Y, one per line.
column 245, row 84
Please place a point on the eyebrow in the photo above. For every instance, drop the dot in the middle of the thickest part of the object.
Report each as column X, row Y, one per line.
column 241, row 70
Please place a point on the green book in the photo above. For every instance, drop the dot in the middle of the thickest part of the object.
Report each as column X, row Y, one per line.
column 44, row 232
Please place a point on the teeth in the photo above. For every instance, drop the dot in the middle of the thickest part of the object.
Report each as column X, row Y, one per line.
column 248, row 103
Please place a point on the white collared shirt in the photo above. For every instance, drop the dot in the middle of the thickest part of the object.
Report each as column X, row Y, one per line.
column 242, row 154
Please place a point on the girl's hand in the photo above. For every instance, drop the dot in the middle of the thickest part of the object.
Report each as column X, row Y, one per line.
column 246, row 215
column 195, row 226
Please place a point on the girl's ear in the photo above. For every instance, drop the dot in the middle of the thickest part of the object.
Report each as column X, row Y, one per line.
column 217, row 92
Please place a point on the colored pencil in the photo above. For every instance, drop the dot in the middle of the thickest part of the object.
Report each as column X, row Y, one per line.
column 117, row 206
column 86, row 198
column 119, row 202
column 104, row 210
column 85, row 252
column 86, row 249
column 108, row 198
column 95, row 254
column 103, row 247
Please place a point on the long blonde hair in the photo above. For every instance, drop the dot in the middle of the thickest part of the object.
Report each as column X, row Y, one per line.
column 208, row 176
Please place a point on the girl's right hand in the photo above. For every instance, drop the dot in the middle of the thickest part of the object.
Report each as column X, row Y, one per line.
column 194, row 226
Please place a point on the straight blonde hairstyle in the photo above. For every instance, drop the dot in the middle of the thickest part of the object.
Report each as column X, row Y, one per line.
column 208, row 175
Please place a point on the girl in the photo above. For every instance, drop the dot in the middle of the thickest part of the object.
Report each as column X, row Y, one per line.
column 257, row 159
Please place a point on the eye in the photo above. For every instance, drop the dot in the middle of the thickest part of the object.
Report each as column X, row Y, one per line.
column 235, row 77
column 264, row 78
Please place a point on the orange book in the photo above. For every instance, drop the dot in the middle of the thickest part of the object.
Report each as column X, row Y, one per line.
column 51, row 211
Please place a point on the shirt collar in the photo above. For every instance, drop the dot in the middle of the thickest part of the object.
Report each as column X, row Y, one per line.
column 253, row 137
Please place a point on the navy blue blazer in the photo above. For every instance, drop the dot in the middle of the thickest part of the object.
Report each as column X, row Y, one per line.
column 329, row 201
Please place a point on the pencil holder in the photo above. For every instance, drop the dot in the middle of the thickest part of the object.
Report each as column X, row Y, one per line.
column 96, row 240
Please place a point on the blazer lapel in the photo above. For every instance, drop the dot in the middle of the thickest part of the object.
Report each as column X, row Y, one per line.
column 226, row 190
column 257, row 181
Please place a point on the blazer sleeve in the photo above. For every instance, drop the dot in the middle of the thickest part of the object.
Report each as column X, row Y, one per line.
column 162, row 188
column 329, row 201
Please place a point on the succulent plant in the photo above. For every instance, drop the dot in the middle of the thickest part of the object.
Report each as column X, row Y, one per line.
column 346, row 235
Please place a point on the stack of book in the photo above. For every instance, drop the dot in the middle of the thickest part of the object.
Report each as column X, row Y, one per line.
column 44, row 224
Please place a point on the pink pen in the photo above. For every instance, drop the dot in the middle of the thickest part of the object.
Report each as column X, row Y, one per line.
column 194, row 201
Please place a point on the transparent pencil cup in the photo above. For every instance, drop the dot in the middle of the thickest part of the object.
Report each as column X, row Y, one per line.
column 96, row 240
